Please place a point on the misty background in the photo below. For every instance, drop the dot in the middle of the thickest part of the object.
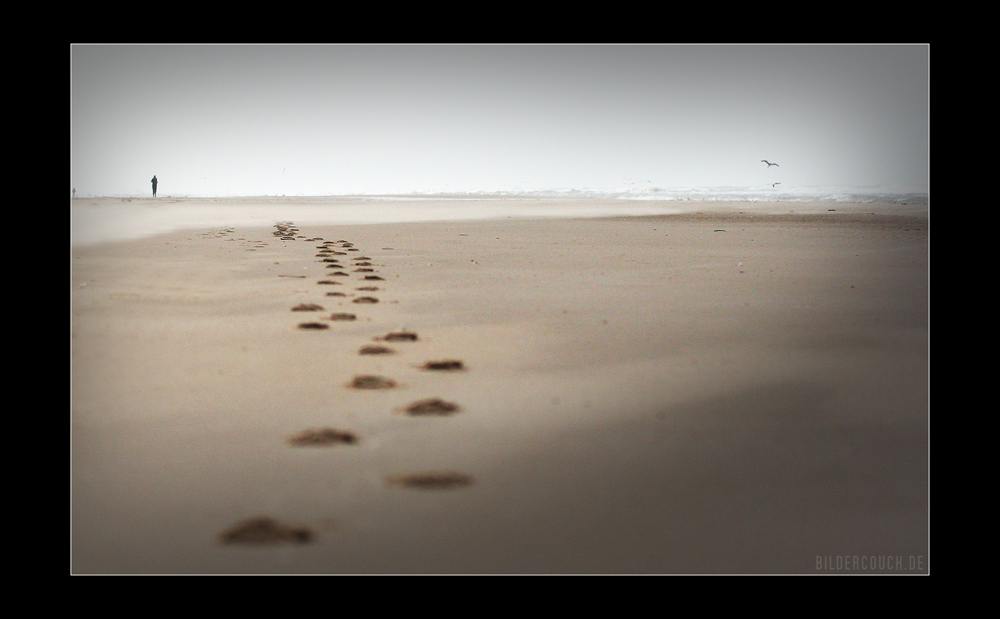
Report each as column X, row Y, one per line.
column 301, row 120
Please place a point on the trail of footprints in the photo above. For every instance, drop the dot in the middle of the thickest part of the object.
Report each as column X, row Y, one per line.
column 340, row 263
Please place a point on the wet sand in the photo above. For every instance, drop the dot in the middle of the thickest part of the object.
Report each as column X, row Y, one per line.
column 723, row 392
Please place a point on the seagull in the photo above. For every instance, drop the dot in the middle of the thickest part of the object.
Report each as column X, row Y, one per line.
column 773, row 185
column 769, row 164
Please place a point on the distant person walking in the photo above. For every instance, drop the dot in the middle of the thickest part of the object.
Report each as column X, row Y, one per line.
column 154, row 185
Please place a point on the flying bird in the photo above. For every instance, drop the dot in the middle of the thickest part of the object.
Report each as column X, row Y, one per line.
column 769, row 164
column 773, row 185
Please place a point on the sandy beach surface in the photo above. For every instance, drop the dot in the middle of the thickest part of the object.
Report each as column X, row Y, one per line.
column 735, row 389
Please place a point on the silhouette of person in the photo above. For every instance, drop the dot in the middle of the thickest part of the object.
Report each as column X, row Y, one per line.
column 154, row 185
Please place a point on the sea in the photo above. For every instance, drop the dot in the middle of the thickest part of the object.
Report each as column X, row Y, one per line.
column 100, row 219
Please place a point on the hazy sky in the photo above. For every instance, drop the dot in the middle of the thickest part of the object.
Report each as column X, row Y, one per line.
column 321, row 120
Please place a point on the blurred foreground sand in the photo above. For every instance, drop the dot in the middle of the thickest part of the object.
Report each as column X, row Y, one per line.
column 697, row 393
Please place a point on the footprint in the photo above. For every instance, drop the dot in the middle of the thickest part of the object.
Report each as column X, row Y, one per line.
column 364, row 270
column 327, row 282
column 323, row 437
column 343, row 316
column 351, row 249
column 338, row 274
column 336, row 294
column 264, row 530
column 367, row 288
column 376, row 350
column 399, row 336
column 366, row 300
column 448, row 365
column 371, row 382
column 431, row 481
column 307, row 307
column 374, row 278
column 331, row 260
column 361, row 258
column 317, row 326
column 432, row 406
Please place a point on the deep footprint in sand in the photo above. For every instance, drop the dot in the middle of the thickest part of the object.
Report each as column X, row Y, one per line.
column 447, row 480
column 336, row 294
column 371, row 382
column 315, row 326
column 375, row 350
column 327, row 282
column 307, row 307
column 323, row 437
column 368, row 288
column 374, row 278
column 398, row 336
column 446, row 365
column 365, row 300
column 263, row 530
column 343, row 316
column 430, row 407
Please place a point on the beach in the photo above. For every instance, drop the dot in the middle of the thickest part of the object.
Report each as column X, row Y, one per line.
column 719, row 388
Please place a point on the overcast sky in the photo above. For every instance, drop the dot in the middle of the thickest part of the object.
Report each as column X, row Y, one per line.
column 324, row 120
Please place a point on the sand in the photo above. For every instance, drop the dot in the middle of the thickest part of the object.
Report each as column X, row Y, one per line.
column 716, row 392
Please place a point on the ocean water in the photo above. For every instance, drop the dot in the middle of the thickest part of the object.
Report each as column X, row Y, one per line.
column 764, row 193
column 96, row 220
